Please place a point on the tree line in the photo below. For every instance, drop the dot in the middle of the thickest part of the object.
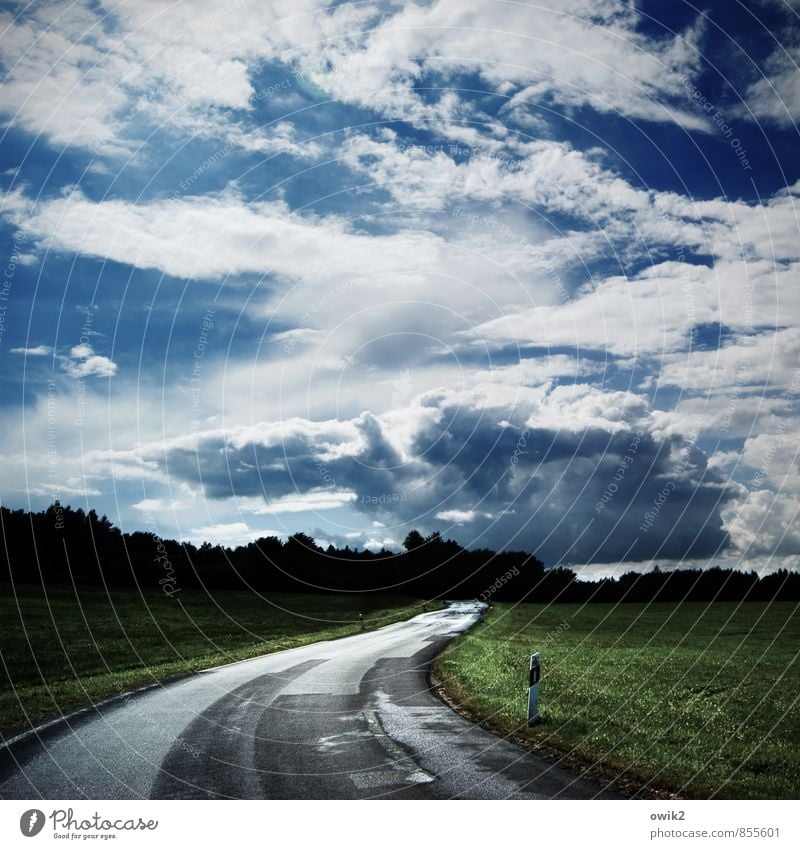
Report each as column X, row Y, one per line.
column 66, row 545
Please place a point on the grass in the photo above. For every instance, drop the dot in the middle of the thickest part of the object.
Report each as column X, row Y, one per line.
column 700, row 700
column 64, row 647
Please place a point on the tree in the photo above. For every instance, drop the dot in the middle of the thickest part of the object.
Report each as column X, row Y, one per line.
column 301, row 540
column 413, row 540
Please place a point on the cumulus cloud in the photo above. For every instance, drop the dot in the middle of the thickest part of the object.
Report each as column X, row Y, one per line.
column 766, row 523
column 575, row 475
column 81, row 361
column 763, row 518
column 84, row 362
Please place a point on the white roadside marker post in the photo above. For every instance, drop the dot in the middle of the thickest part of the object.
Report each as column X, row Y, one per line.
column 533, row 690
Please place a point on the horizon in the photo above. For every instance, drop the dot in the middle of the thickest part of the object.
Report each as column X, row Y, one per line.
column 583, row 572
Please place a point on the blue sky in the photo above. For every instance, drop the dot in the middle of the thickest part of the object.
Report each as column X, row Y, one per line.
column 523, row 273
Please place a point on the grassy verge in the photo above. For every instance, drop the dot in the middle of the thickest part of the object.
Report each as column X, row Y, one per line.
column 64, row 648
column 701, row 700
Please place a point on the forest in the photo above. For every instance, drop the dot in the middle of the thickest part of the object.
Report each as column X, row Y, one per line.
column 64, row 545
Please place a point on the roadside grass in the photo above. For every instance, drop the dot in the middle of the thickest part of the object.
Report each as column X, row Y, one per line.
column 64, row 648
column 701, row 700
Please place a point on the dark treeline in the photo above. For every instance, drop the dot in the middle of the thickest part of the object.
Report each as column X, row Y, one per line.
column 61, row 545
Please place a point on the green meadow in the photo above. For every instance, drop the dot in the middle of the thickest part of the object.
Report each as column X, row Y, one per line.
column 694, row 699
column 66, row 647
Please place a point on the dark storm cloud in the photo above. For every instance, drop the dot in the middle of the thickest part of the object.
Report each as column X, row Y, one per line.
column 592, row 493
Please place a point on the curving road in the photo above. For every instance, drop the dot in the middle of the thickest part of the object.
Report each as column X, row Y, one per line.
column 345, row 719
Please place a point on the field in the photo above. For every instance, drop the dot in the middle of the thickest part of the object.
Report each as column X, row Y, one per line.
column 66, row 648
column 699, row 700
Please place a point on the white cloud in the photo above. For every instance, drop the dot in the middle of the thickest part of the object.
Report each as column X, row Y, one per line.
column 148, row 505
column 315, row 499
column 462, row 517
column 38, row 351
column 763, row 519
column 81, row 351
column 776, row 96
column 545, row 173
column 209, row 238
column 83, row 362
column 228, row 534
column 63, row 491
column 727, row 413
column 573, row 52
column 378, row 543
column 654, row 313
column 63, row 79
column 89, row 76
column 765, row 523
column 765, row 361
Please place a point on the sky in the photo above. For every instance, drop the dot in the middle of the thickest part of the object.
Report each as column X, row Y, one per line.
column 523, row 273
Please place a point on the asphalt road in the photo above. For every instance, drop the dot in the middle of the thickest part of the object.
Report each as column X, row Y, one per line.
column 346, row 719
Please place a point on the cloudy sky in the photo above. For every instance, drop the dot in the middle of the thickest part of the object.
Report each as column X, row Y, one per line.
column 525, row 273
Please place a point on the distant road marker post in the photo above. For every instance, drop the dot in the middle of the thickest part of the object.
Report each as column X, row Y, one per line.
column 533, row 690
